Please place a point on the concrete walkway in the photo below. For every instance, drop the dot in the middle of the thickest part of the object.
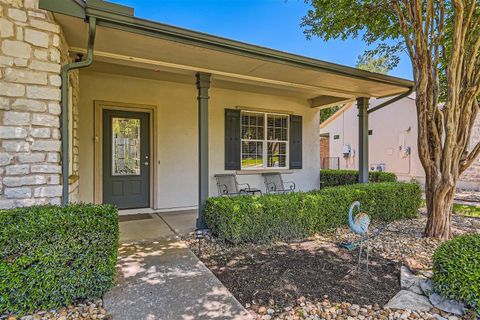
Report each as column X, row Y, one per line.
column 163, row 279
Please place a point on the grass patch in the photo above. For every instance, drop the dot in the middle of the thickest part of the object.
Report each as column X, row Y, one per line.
column 466, row 210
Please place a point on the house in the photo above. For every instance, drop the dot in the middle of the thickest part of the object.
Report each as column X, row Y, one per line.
column 98, row 105
column 393, row 145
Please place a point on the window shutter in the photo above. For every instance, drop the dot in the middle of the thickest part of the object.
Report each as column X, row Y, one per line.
column 232, row 139
column 295, row 142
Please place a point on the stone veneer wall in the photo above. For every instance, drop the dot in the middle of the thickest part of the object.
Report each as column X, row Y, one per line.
column 472, row 174
column 31, row 53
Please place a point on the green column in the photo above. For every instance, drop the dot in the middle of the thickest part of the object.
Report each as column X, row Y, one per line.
column 362, row 105
column 203, row 84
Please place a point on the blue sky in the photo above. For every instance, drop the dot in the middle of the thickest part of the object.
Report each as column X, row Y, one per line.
column 270, row 23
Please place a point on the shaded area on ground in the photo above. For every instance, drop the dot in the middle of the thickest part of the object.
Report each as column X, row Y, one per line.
column 165, row 280
column 284, row 273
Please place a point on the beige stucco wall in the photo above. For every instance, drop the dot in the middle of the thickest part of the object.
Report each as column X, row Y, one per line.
column 389, row 127
column 176, row 141
column 390, row 131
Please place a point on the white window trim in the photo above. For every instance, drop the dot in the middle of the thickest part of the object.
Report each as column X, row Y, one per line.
column 265, row 143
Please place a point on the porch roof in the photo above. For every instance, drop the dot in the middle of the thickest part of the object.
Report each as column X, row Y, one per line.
column 129, row 45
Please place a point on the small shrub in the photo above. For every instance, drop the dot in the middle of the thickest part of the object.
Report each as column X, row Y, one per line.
column 52, row 256
column 456, row 267
column 333, row 178
column 298, row 215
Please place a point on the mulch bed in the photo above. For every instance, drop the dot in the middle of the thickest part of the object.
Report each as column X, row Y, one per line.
column 280, row 274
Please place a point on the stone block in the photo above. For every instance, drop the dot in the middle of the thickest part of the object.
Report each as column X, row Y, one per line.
column 5, row 159
column 40, row 54
column 55, row 80
column 37, row 38
column 43, row 25
column 6, row 61
column 54, row 179
column 6, row 28
column 20, row 62
column 17, row 14
column 16, row 118
column 12, row 89
column 4, row 103
column 45, row 66
column 15, row 146
column 46, row 168
column 12, row 132
column 7, row 204
column 48, row 93
column 48, row 192
column 24, row 181
column 18, row 49
column 55, row 55
column 53, row 157
column 40, row 132
column 46, row 120
column 17, row 169
column 46, row 145
column 30, row 157
column 54, row 108
column 29, row 105
column 25, row 76
column 18, row 193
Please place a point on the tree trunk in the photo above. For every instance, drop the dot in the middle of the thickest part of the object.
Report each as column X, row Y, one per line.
column 439, row 205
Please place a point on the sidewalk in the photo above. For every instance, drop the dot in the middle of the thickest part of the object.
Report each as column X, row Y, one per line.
column 163, row 279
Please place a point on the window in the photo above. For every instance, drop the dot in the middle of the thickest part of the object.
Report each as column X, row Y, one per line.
column 264, row 140
column 125, row 146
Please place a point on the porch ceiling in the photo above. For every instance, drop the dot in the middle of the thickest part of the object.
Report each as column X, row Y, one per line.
column 148, row 56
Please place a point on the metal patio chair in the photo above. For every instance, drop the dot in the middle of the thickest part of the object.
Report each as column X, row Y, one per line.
column 228, row 185
column 274, row 183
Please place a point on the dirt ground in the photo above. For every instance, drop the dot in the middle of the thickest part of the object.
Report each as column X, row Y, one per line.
column 279, row 275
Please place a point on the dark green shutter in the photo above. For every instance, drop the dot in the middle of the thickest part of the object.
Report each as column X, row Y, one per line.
column 232, row 139
column 295, row 142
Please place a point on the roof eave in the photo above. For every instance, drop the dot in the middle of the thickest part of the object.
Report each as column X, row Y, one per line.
column 122, row 17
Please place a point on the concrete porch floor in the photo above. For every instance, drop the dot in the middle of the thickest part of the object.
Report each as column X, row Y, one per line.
column 148, row 225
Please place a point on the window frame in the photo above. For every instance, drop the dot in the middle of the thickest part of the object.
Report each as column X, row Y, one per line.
column 265, row 142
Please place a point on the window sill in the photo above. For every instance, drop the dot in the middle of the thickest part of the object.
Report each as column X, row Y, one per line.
column 260, row 171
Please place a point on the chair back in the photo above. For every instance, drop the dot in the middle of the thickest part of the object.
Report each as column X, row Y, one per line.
column 226, row 184
column 273, row 182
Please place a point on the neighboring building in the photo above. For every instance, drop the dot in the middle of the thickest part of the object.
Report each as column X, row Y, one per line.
column 159, row 112
column 392, row 141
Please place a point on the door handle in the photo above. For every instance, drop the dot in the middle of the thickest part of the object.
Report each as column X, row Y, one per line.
column 145, row 163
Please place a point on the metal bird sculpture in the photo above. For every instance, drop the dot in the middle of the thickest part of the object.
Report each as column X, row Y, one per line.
column 359, row 225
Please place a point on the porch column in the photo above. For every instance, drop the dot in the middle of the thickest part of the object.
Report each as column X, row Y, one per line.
column 362, row 105
column 203, row 84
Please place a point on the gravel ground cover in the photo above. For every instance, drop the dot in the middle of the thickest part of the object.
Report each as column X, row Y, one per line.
column 315, row 279
column 85, row 311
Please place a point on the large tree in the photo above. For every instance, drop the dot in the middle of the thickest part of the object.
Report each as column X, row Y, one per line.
column 442, row 39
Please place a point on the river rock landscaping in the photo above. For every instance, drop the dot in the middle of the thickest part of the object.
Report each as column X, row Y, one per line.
column 316, row 279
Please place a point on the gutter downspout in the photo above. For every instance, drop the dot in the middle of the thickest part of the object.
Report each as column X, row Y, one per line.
column 386, row 103
column 64, row 75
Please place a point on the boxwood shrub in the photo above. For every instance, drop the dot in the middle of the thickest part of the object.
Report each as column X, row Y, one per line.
column 332, row 178
column 297, row 215
column 52, row 256
column 456, row 267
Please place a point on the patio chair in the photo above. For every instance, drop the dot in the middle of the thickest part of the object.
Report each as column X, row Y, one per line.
column 274, row 183
column 228, row 185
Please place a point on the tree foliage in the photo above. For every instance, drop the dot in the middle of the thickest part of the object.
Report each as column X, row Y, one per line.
column 442, row 39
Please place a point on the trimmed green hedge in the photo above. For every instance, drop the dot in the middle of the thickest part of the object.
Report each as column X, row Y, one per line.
column 52, row 256
column 333, row 178
column 298, row 215
column 456, row 267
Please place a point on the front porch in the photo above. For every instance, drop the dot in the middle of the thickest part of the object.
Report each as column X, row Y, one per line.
column 200, row 106
column 148, row 225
